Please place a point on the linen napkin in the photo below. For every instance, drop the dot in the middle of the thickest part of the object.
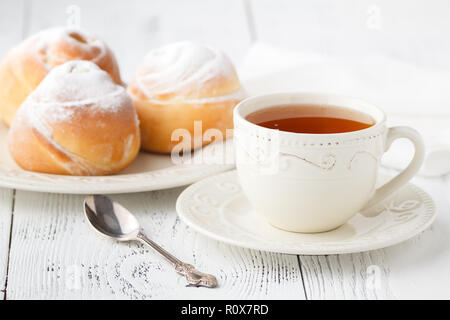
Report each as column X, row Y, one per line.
column 410, row 95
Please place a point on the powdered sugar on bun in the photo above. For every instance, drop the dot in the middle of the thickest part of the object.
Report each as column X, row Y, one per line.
column 75, row 84
column 28, row 63
column 178, row 85
column 87, row 122
column 76, row 81
column 48, row 44
column 186, row 71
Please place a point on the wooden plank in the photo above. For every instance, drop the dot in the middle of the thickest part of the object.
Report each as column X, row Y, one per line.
column 11, row 18
column 6, row 204
column 56, row 254
column 415, row 269
column 349, row 276
column 132, row 28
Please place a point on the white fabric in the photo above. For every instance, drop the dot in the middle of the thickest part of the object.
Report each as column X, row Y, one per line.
column 410, row 95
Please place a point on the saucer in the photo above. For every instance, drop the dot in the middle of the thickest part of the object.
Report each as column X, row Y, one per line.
column 217, row 208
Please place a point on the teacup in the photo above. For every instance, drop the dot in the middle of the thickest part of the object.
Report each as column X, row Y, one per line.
column 316, row 182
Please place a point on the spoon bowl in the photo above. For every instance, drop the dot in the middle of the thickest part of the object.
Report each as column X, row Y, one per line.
column 110, row 218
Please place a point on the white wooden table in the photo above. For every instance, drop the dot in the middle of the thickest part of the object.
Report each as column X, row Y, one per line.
column 47, row 250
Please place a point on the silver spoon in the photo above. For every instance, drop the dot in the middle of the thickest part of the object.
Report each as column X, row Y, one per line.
column 112, row 220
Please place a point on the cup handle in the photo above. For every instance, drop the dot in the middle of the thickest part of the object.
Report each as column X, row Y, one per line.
column 403, row 177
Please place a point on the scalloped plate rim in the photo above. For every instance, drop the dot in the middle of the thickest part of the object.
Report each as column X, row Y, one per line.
column 144, row 174
column 107, row 184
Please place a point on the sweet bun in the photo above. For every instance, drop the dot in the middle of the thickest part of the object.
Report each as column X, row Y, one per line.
column 25, row 65
column 181, row 83
column 76, row 122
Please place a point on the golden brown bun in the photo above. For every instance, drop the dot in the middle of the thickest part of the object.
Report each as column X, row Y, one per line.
column 179, row 84
column 25, row 65
column 76, row 122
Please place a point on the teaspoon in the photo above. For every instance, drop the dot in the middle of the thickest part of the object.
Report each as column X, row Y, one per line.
column 113, row 220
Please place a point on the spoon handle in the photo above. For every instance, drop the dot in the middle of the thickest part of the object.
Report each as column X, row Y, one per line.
column 193, row 276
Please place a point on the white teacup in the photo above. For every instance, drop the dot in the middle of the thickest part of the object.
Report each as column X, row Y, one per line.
column 316, row 182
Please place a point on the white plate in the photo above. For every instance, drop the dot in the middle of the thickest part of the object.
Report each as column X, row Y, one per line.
column 148, row 172
column 217, row 208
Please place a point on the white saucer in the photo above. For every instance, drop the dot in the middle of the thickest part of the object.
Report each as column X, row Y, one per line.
column 217, row 208
column 148, row 172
